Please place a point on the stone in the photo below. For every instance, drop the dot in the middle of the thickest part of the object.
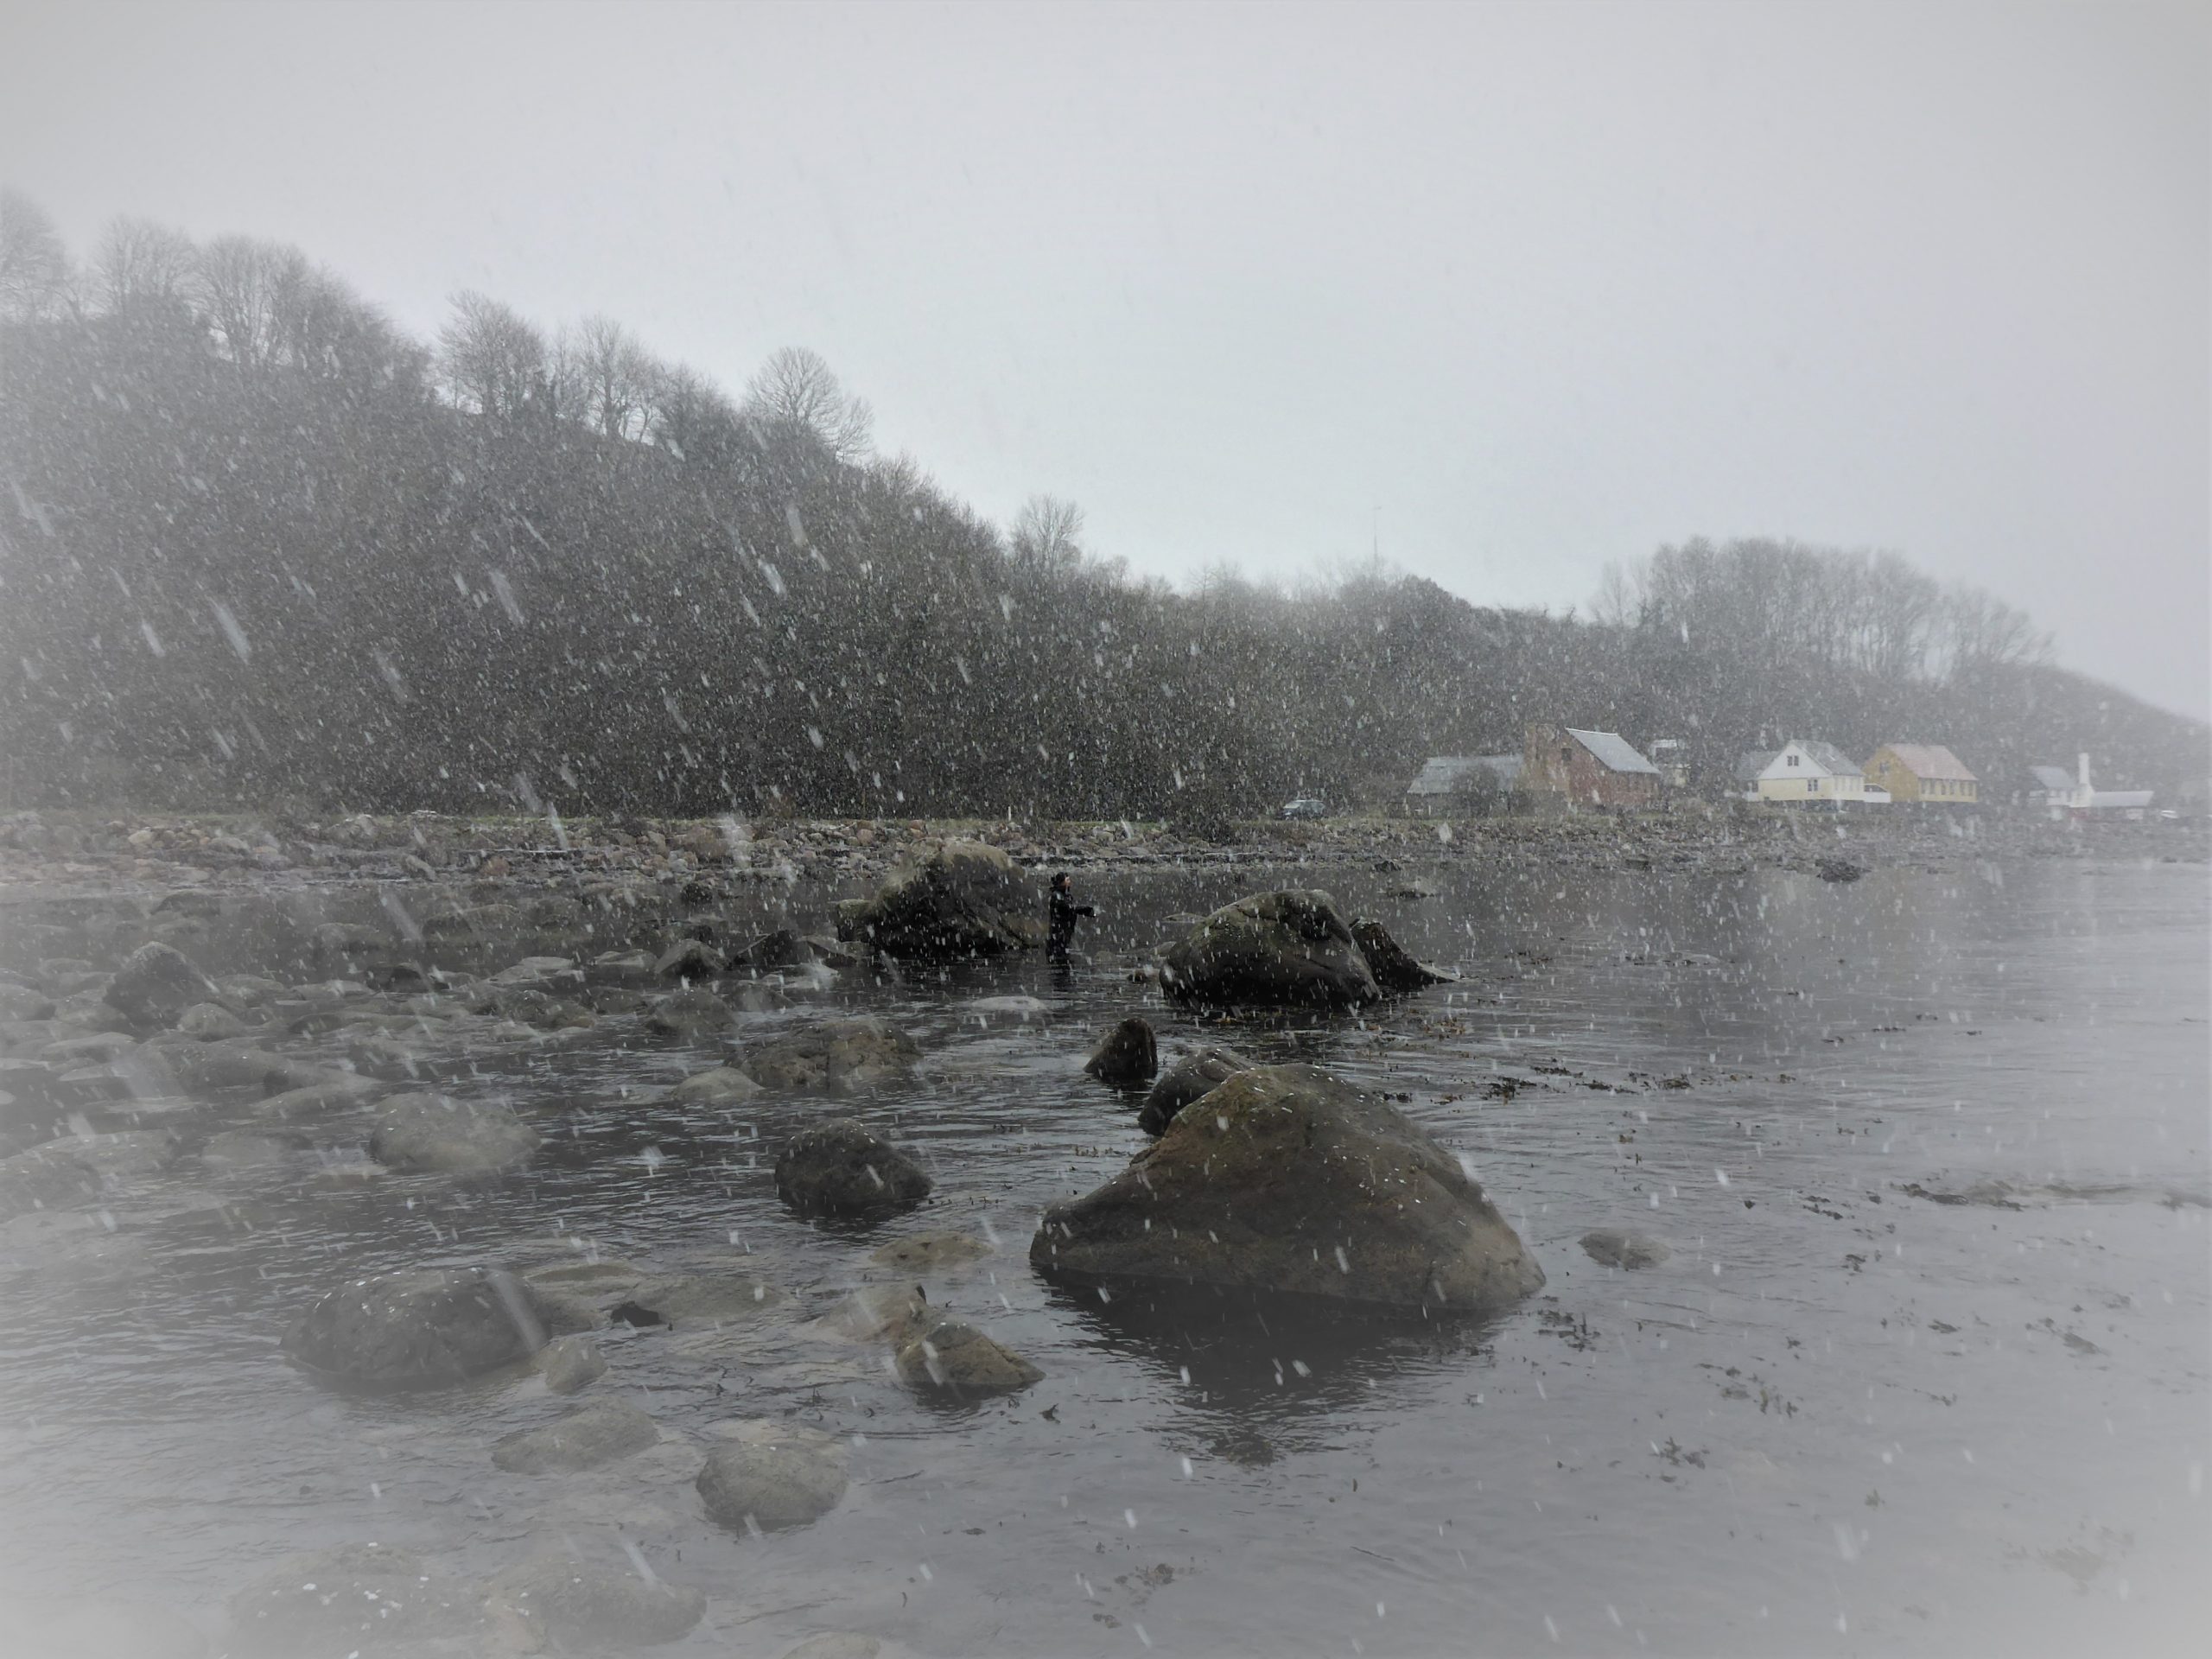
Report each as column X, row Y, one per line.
column 598, row 1433
column 569, row 1364
column 952, row 1357
column 437, row 1134
column 839, row 1169
column 429, row 1327
column 335, row 1602
column 335, row 1091
column 779, row 948
column 838, row 1056
column 702, row 1296
column 1838, row 869
column 927, row 1253
column 717, row 1086
column 1127, row 1057
column 1196, row 1073
column 1288, row 1180
column 769, row 1487
column 577, row 1606
column 951, row 899
column 693, row 1012
column 1393, row 966
column 1611, row 1247
column 690, row 960
column 79, row 1169
column 155, row 985
column 22, row 1003
column 210, row 1023
column 245, row 1149
column 1287, row 949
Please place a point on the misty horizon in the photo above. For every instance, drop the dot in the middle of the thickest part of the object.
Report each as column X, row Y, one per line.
column 1971, row 379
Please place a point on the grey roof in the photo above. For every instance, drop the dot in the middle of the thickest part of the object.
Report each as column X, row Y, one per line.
column 1752, row 762
column 1614, row 752
column 2052, row 777
column 1827, row 756
column 1441, row 774
column 2111, row 799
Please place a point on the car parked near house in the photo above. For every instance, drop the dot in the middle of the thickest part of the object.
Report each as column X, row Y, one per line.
column 1305, row 806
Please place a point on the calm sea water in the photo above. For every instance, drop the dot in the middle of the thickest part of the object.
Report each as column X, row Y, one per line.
column 1842, row 1418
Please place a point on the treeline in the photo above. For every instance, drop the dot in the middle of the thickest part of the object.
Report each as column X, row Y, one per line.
column 258, row 546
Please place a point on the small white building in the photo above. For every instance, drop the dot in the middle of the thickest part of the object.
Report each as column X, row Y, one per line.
column 2063, row 797
column 1804, row 770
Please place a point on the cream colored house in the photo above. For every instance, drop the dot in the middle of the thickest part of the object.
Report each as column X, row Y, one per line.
column 1802, row 769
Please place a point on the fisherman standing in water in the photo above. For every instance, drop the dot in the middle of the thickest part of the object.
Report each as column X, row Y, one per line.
column 1064, row 912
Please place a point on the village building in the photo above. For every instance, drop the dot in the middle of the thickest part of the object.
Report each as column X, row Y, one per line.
column 2064, row 796
column 1802, row 771
column 1587, row 768
column 1925, row 772
column 1448, row 782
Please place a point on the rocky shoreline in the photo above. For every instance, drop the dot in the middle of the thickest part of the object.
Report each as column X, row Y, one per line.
column 88, row 849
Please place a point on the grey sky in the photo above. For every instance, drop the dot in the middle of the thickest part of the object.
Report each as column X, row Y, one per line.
column 1549, row 285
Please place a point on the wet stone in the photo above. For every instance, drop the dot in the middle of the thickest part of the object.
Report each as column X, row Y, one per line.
column 336, row 1602
column 438, row 1134
column 1613, row 1248
column 767, row 1487
column 594, row 1434
column 571, row 1363
column 840, row 1169
column 950, row 1357
column 576, row 1605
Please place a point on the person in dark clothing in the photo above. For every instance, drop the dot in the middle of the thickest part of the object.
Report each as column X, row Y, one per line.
column 1064, row 912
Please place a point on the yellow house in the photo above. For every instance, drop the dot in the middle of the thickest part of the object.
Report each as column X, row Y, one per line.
column 1922, row 771
column 1801, row 771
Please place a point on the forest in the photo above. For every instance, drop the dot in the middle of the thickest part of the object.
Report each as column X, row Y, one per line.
column 258, row 547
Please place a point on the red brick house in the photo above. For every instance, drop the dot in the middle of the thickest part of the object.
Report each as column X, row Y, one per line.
column 1587, row 768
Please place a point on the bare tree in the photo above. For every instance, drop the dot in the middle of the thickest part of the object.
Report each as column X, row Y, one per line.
column 616, row 375
column 33, row 265
column 690, row 415
column 140, row 265
column 1048, row 534
column 490, row 358
column 796, row 391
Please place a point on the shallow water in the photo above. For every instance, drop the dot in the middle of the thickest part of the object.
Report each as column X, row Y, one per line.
column 1841, row 1418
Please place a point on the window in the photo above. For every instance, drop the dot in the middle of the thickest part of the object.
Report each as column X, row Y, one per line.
column 1793, row 759
column 1812, row 786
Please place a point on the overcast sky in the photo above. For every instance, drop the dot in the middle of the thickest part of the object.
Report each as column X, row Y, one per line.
column 1546, row 286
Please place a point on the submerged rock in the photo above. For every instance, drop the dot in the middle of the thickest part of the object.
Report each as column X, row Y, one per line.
column 955, row 899
column 1291, row 948
column 840, row 1169
column 439, row 1135
column 210, row 1023
column 689, row 959
column 155, row 985
column 577, row 1606
column 768, row 1487
column 954, row 1358
column 715, row 1085
column 1292, row 1181
column 1195, row 1074
column 571, row 1363
column 334, row 1603
column 1838, row 869
column 1127, row 1057
column 930, row 1253
column 429, row 1327
column 1393, row 966
column 693, row 1012
column 1611, row 1247
column 704, row 1296
column 593, row 1433
column 837, row 1056
column 79, row 1169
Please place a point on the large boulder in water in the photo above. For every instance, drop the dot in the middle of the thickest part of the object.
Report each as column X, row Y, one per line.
column 1291, row 948
column 576, row 1606
column 335, row 1602
column 1291, row 1181
column 1127, row 1057
column 439, row 1135
column 955, row 899
column 1395, row 968
column 839, row 1169
column 1195, row 1074
column 427, row 1328
column 834, row 1057
column 155, row 985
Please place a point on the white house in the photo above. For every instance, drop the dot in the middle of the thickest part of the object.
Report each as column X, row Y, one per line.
column 1803, row 770
column 2064, row 796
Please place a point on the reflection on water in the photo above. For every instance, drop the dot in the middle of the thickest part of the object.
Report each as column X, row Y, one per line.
column 1841, row 1417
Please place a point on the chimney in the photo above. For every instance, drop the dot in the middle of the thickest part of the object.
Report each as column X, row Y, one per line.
column 2085, row 771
